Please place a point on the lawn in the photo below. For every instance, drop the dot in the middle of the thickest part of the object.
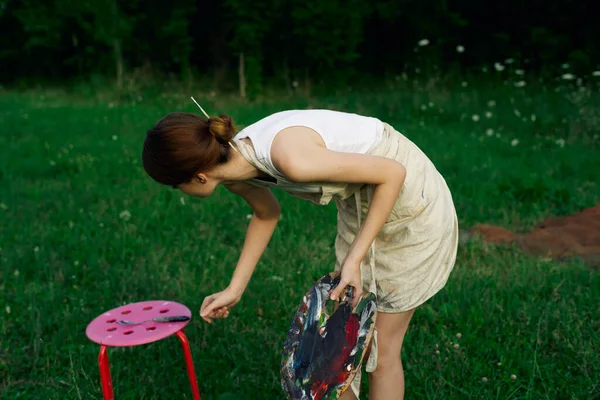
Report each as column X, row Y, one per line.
column 83, row 229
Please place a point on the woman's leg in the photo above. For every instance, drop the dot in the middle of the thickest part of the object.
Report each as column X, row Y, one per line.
column 387, row 381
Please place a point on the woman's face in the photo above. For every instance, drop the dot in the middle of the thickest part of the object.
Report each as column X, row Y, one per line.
column 199, row 186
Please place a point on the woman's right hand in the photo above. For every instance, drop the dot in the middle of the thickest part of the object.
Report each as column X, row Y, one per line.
column 217, row 305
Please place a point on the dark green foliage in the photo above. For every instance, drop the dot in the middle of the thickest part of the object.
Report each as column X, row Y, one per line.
column 291, row 43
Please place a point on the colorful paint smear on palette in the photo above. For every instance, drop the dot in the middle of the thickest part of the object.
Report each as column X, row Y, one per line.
column 322, row 352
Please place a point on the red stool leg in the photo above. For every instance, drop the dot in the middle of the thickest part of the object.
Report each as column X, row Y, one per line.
column 189, row 363
column 107, row 387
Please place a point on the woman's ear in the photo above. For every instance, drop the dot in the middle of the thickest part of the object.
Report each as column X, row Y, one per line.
column 200, row 177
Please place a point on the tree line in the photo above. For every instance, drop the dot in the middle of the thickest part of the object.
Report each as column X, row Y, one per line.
column 290, row 42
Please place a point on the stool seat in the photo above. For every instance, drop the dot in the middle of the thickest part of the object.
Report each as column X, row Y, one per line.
column 105, row 330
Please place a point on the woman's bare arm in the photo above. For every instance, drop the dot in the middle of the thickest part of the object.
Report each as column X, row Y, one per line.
column 259, row 232
column 300, row 154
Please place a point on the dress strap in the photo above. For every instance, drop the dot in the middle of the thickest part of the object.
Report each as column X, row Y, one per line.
column 357, row 197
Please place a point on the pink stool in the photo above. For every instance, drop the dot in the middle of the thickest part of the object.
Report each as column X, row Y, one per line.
column 105, row 331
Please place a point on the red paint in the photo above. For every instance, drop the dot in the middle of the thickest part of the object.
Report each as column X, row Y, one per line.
column 318, row 390
column 352, row 330
column 351, row 337
column 303, row 308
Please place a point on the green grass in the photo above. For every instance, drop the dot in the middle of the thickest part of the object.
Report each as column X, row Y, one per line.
column 70, row 165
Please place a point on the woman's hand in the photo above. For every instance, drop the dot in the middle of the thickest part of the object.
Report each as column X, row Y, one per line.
column 350, row 276
column 217, row 305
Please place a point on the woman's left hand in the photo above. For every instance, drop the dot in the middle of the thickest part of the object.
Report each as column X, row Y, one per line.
column 351, row 276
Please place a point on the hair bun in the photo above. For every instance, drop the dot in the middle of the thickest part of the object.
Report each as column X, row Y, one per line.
column 221, row 128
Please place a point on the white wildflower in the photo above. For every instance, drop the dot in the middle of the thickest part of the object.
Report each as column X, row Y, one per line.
column 424, row 107
column 76, row 263
column 464, row 84
column 509, row 61
column 423, row 42
column 460, row 49
column 36, row 249
column 182, row 201
column 488, row 114
column 7, row 309
column 560, row 142
column 517, row 112
column 514, row 142
column 16, row 273
column 568, row 77
column 490, row 132
column 491, row 103
column 459, row 335
column 248, row 216
column 520, row 84
column 499, row 67
column 513, row 377
column 484, row 379
column 533, row 117
column 295, row 84
column 519, row 72
column 475, row 117
column 125, row 215
column 596, row 73
column 114, row 137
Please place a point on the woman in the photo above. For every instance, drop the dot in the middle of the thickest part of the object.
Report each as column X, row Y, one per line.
column 372, row 172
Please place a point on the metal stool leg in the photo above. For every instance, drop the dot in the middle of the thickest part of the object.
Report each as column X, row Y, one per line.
column 107, row 387
column 189, row 364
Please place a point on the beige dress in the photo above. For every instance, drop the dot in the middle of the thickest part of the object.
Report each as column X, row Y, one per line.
column 414, row 253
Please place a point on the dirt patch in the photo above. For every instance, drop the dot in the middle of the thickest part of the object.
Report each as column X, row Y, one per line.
column 573, row 236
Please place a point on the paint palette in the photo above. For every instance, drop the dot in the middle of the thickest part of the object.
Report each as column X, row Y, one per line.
column 324, row 348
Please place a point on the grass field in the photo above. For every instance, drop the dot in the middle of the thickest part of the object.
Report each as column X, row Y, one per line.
column 82, row 230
